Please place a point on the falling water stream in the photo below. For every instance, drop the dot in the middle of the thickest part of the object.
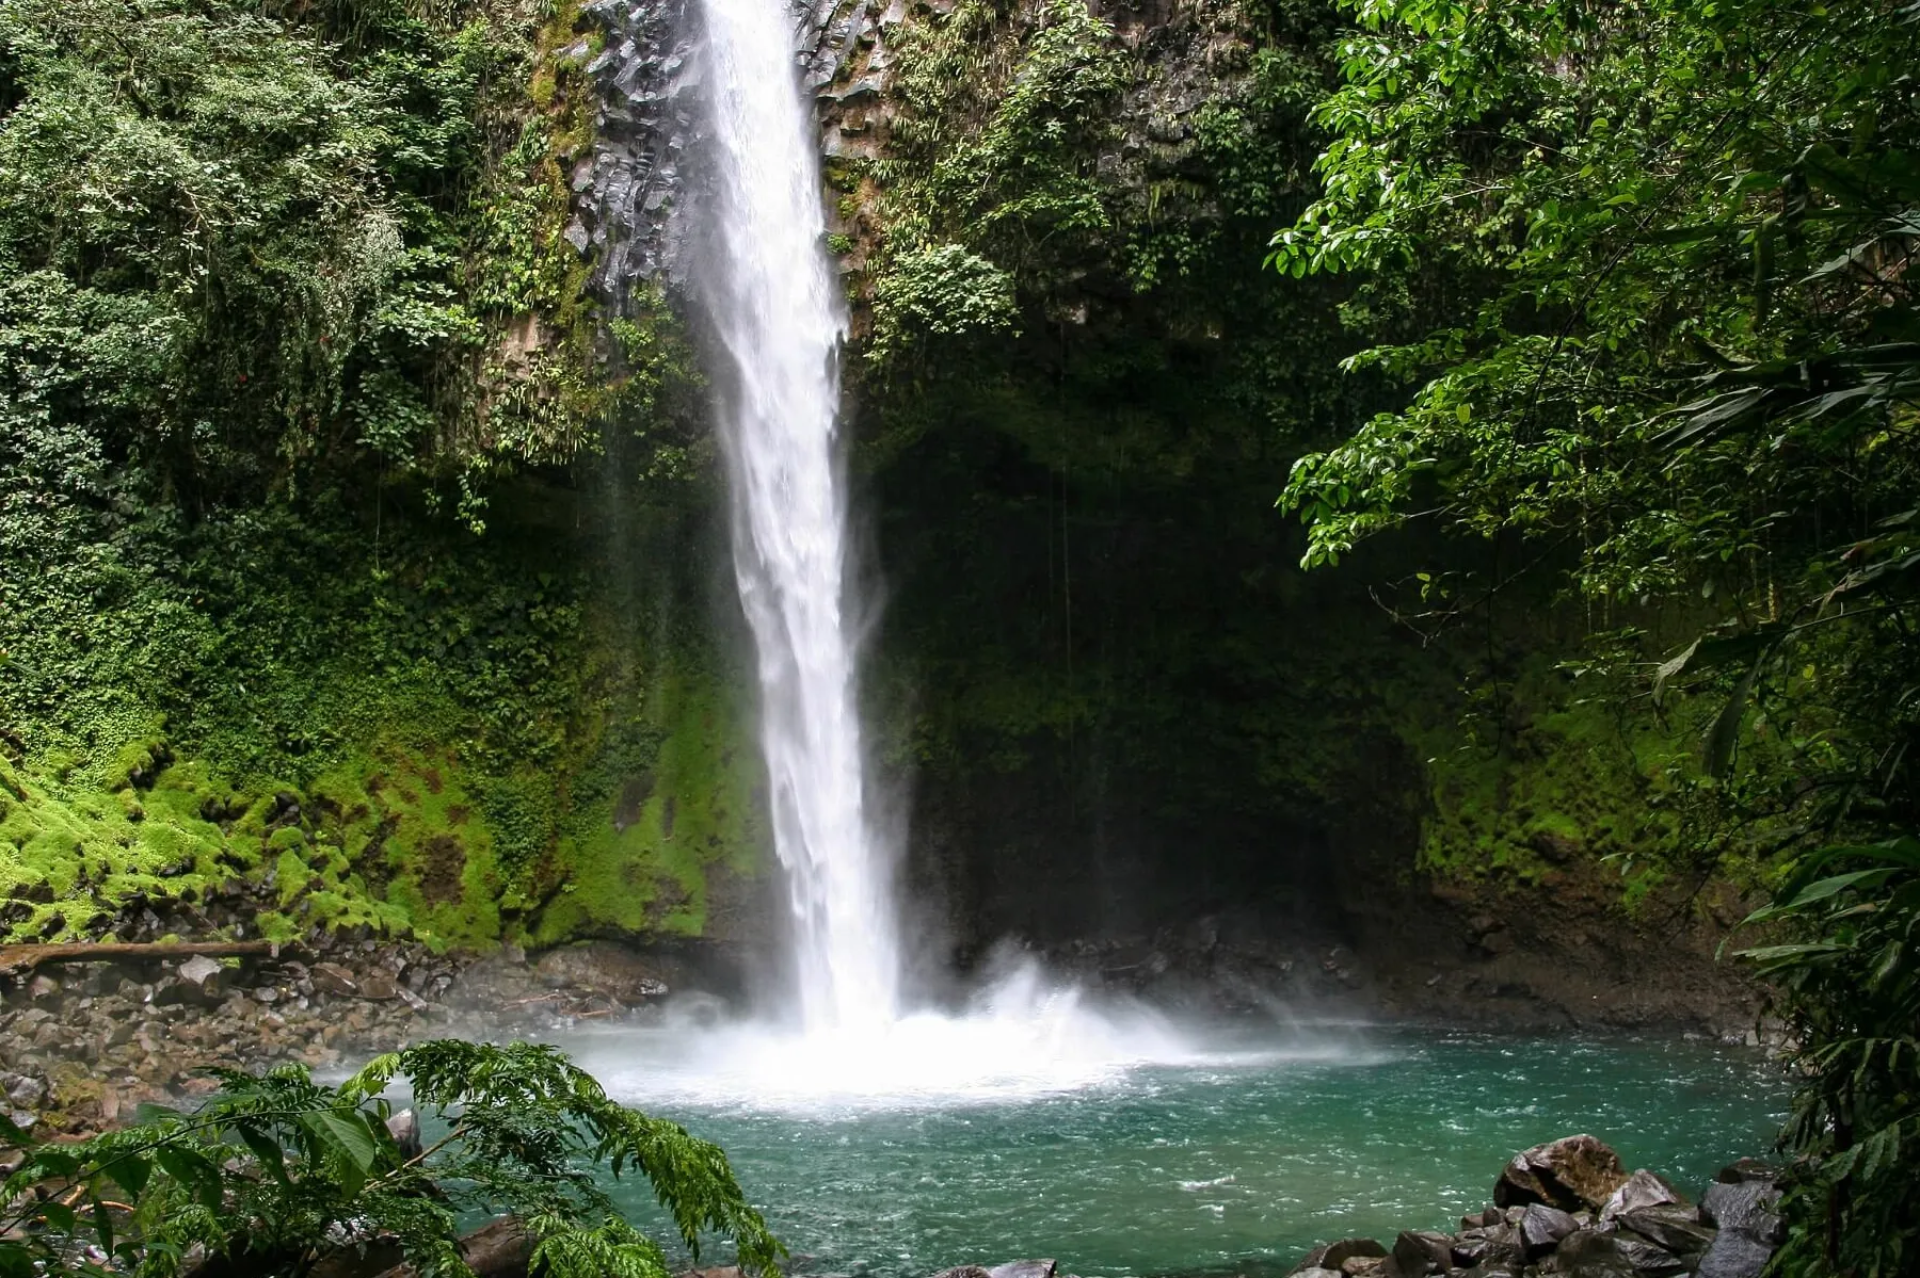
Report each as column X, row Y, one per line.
column 772, row 302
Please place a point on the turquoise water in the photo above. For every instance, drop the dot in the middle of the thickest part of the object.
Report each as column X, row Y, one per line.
column 1239, row 1163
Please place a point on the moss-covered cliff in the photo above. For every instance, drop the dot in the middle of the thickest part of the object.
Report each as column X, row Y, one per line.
column 357, row 520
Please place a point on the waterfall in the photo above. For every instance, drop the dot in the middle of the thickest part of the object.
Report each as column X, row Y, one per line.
column 772, row 299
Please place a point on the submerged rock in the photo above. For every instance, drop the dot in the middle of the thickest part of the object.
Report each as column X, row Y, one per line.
column 1335, row 1255
column 1024, row 1269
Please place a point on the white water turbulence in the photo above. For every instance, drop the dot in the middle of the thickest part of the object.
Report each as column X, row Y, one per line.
column 771, row 293
column 775, row 309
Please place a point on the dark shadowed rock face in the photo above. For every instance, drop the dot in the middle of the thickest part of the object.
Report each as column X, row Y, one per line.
column 1570, row 1173
column 1542, row 1227
column 1676, row 1228
column 1750, row 1228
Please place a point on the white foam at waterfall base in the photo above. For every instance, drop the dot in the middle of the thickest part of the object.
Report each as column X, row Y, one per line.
column 1022, row 1036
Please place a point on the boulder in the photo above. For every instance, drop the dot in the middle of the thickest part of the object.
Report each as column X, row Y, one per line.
column 1023, row 1269
column 1416, row 1253
column 1591, row 1253
column 1744, row 1208
column 1734, row 1256
column 404, row 1127
column 1541, row 1229
column 202, row 979
column 1643, row 1189
column 331, row 978
column 602, row 967
column 1335, row 1255
column 1747, row 1169
column 1569, row 1173
column 1675, row 1228
column 501, row 1249
column 1750, row 1229
column 1478, row 1245
column 378, row 983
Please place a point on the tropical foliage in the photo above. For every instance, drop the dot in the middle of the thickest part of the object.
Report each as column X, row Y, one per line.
column 1646, row 270
column 278, row 1173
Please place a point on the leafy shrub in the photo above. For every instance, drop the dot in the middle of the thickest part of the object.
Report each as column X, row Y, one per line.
column 279, row 1172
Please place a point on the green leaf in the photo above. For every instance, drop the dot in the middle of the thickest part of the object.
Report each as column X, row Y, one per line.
column 345, row 1132
column 1822, row 890
column 269, row 1151
column 131, row 1172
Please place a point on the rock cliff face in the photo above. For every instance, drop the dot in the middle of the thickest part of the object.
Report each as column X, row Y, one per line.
column 1116, row 704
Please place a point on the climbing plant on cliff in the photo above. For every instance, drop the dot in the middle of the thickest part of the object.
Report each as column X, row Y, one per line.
column 1645, row 272
column 278, row 1173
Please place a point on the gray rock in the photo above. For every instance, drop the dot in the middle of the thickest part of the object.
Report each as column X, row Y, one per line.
column 1417, row 1253
column 202, row 975
column 1744, row 1208
column 1747, row 1169
column 1675, row 1228
column 1542, row 1227
column 332, row 978
column 405, row 1129
column 1024, row 1269
column 1734, row 1255
column 26, row 1091
column 1643, row 1189
column 1594, row 1254
column 1335, row 1255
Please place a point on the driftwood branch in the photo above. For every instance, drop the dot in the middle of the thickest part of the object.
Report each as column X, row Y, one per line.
column 18, row 960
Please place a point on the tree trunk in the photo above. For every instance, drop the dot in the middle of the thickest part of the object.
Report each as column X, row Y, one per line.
column 18, row 960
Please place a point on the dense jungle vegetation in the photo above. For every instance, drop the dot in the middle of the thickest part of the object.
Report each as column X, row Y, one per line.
column 1646, row 269
column 1589, row 364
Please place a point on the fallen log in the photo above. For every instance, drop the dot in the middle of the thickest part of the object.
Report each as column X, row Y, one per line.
column 18, row 960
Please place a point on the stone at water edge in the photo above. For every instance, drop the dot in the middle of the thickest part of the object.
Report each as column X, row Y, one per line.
column 1746, row 1169
column 1590, row 1253
column 1542, row 1227
column 1417, row 1252
column 1676, row 1228
column 404, row 1127
column 1024, row 1269
column 1643, row 1189
column 378, row 983
column 1746, row 1207
column 1335, row 1255
column 1750, row 1229
column 1569, row 1173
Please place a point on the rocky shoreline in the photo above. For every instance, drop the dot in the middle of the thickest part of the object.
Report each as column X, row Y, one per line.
column 1569, row 1207
column 82, row 1045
